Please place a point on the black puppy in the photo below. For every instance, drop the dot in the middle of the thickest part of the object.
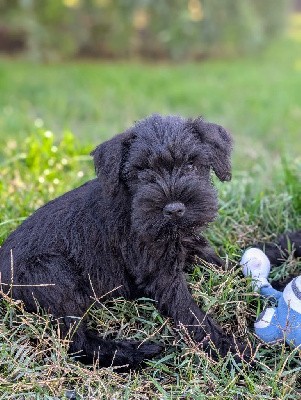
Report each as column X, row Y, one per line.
column 130, row 232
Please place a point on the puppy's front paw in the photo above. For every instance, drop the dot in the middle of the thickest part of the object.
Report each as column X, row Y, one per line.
column 241, row 352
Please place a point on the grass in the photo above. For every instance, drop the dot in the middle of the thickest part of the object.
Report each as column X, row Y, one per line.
column 259, row 101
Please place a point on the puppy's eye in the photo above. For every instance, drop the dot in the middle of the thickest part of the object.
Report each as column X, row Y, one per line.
column 190, row 166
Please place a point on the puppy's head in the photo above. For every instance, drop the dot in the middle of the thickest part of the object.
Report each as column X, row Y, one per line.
column 163, row 164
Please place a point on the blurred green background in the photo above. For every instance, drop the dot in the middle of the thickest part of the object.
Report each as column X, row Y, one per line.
column 95, row 66
column 177, row 29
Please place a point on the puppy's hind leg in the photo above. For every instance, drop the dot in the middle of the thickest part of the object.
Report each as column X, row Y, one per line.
column 54, row 283
column 87, row 347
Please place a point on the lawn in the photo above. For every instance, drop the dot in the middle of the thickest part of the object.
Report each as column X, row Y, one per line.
column 51, row 116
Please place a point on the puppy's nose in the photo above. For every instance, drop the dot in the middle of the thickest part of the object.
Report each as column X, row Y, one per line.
column 174, row 210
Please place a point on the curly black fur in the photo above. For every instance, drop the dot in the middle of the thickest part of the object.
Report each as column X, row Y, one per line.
column 130, row 232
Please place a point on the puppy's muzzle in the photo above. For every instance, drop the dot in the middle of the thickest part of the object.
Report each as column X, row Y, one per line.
column 174, row 210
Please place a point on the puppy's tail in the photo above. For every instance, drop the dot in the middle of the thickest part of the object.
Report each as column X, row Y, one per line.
column 279, row 251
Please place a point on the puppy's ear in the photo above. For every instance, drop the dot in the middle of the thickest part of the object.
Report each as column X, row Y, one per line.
column 109, row 158
column 218, row 146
